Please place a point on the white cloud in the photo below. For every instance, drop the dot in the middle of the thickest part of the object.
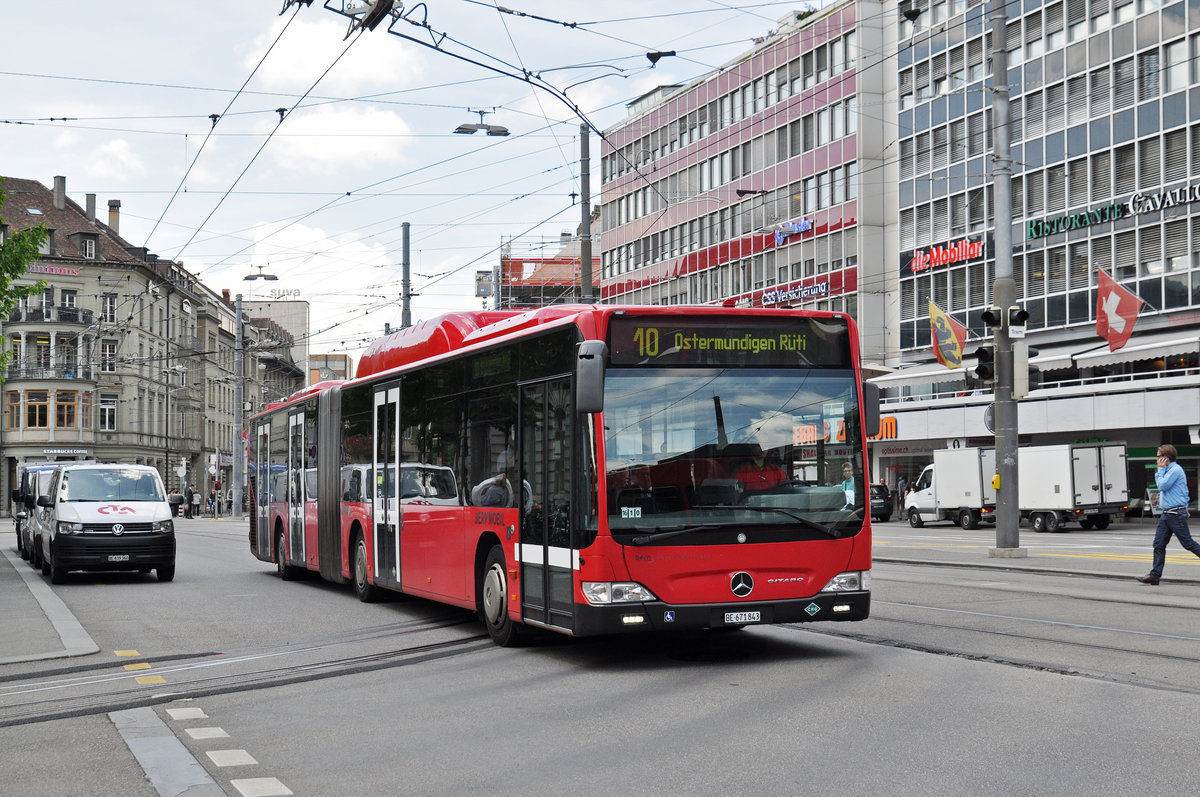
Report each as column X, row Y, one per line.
column 376, row 61
column 115, row 159
column 330, row 138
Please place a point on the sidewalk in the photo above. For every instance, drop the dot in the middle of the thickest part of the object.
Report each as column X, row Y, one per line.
column 34, row 622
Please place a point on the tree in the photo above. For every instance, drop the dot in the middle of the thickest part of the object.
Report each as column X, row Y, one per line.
column 16, row 253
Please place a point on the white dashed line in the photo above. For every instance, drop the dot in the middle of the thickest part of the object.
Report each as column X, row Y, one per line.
column 231, row 758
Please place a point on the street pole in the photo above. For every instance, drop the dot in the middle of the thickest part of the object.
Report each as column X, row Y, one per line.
column 239, row 392
column 585, row 203
column 1003, row 297
column 405, row 283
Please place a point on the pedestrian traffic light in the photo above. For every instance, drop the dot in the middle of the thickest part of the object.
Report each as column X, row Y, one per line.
column 993, row 317
column 985, row 370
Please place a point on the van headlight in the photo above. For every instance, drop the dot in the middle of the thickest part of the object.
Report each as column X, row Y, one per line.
column 606, row 592
column 69, row 528
column 162, row 527
column 854, row 581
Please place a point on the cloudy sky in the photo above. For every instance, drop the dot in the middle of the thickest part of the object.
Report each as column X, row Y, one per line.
column 120, row 98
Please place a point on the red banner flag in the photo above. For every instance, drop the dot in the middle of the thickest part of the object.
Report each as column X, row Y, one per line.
column 1116, row 311
column 949, row 337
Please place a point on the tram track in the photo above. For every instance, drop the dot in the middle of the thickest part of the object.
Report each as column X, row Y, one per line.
column 1095, row 673
column 115, row 692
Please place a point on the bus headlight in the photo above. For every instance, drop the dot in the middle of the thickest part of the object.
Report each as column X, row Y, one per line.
column 854, row 581
column 606, row 592
column 69, row 528
column 162, row 527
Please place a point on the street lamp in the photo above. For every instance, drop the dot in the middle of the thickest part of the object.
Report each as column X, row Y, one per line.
column 471, row 127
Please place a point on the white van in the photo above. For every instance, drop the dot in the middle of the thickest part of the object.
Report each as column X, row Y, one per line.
column 108, row 517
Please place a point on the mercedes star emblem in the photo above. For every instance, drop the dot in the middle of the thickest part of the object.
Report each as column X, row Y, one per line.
column 741, row 584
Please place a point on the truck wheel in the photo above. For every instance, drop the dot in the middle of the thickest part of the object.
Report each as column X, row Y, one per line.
column 966, row 519
column 1038, row 521
column 1101, row 522
column 1052, row 523
column 1086, row 522
column 914, row 518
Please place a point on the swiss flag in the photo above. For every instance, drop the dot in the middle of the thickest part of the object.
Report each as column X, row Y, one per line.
column 1116, row 311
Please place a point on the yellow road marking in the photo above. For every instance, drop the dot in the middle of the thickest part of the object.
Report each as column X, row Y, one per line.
column 141, row 665
column 126, row 653
column 146, row 680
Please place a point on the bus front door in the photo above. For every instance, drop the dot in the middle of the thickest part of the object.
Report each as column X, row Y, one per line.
column 547, row 457
column 295, row 490
column 386, row 511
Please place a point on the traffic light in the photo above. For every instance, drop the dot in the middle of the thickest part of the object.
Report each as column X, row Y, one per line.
column 1026, row 377
column 993, row 317
column 1017, row 316
column 985, row 370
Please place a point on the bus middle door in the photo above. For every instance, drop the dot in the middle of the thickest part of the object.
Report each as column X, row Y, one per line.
column 385, row 485
column 547, row 457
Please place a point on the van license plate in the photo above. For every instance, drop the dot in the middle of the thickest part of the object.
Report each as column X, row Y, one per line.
column 743, row 617
column 118, row 557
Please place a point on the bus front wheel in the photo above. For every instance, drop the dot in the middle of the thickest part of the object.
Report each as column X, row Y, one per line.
column 493, row 601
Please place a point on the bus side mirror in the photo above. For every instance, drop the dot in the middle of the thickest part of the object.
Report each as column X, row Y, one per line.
column 590, row 356
column 870, row 408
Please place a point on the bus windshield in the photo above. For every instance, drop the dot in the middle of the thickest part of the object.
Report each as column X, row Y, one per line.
column 692, row 448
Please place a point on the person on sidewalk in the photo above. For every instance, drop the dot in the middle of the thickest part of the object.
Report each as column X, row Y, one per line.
column 1173, row 492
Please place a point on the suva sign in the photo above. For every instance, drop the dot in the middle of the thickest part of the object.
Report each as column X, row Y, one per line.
column 1138, row 203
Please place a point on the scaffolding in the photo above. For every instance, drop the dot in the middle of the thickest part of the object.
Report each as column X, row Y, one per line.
column 535, row 271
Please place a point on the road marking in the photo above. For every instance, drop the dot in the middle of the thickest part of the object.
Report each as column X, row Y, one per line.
column 169, row 767
column 150, row 680
column 207, row 733
column 231, row 758
column 141, row 665
column 126, row 653
column 179, row 714
column 260, row 787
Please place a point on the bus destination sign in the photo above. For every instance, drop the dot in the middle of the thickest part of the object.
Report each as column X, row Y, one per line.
column 753, row 342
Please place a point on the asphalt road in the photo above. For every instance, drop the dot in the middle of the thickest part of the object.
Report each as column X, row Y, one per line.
column 968, row 678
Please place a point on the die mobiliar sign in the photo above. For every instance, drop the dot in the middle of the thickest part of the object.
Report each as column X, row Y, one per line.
column 958, row 251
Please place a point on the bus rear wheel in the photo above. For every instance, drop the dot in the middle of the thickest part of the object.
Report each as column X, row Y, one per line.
column 363, row 588
column 493, row 601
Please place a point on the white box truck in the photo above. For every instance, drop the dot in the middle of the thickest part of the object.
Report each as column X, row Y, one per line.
column 1087, row 483
column 957, row 487
column 1058, row 484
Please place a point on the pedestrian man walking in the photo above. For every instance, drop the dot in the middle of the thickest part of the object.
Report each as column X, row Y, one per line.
column 1173, row 492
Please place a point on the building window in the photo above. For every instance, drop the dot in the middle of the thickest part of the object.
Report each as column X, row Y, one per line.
column 108, row 412
column 108, row 356
column 67, row 299
column 12, row 414
column 64, row 409
column 108, row 308
column 85, row 410
column 37, row 409
column 89, row 249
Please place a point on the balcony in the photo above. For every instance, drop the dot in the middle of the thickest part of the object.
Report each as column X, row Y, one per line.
column 20, row 370
column 61, row 315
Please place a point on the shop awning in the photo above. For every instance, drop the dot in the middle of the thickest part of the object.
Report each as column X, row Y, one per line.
column 924, row 374
column 1141, row 347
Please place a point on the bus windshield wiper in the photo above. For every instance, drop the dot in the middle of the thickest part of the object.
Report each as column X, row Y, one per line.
column 674, row 531
column 812, row 524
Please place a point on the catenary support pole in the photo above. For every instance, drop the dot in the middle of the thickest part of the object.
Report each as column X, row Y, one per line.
column 405, row 282
column 585, row 228
column 239, row 412
column 1003, row 296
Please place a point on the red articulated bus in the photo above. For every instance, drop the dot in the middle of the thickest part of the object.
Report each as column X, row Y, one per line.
column 587, row 470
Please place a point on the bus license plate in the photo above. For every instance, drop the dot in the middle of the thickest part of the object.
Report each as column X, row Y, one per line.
column 118, row 557
column 743, row 617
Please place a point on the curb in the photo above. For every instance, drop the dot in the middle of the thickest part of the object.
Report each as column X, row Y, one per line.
column 76, row 641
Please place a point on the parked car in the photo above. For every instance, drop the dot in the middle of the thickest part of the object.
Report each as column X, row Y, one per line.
column 881, row 503
column 32, row 480
column 107, row 517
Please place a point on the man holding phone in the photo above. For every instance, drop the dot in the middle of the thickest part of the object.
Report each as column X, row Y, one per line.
column 1173, row 492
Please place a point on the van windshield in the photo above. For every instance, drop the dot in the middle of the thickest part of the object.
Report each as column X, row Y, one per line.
column 110, row 484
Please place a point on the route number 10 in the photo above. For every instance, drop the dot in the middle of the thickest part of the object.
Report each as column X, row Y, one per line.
column 646, row 339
